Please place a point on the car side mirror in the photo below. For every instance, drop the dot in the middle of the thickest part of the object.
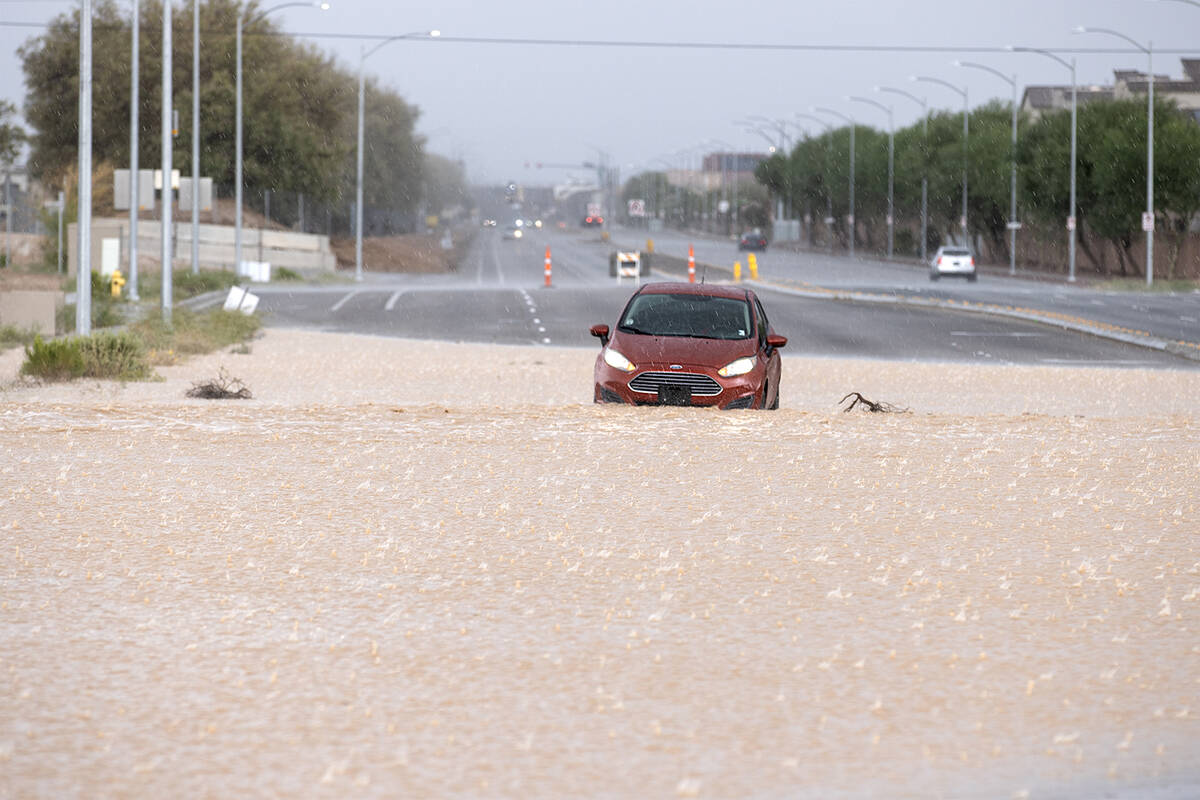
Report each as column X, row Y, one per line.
column 601, row 333
column 775, row 341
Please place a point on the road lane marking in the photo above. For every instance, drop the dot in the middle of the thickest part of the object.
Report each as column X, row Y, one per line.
column 1009, row 334
column 391, row 303
column 1187, row 319
column 342, row 302
column 1118, row 362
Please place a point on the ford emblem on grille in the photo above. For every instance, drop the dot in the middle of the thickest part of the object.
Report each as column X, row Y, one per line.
column 676, row 366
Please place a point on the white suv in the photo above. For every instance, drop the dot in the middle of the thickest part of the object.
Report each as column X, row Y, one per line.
column 952, row 261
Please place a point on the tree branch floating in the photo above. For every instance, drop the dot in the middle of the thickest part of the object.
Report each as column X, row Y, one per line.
column 870, row 405
column 223, row 387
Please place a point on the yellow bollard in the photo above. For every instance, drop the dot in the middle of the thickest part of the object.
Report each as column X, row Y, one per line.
column 753, row 264
column 117, row 282
column 737, row 270
column 649, row 245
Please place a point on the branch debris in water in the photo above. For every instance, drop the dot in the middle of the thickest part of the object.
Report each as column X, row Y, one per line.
column 870, row 405
column 223, row 387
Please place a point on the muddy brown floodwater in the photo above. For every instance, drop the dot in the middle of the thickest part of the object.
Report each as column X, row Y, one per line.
column 434, row 570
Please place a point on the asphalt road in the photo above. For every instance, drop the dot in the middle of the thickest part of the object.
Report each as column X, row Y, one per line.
column 498, row 296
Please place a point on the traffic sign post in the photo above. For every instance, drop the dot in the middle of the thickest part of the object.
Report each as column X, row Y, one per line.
column 637, row 208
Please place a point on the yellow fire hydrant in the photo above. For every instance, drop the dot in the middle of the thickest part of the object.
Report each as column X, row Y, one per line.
column 737, row 270
column 118, row 281
column 752, row 262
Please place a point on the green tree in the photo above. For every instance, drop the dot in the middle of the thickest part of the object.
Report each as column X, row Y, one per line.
column 11, row 134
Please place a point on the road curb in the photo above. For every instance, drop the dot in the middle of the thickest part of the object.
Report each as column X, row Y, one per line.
column 1102, row 330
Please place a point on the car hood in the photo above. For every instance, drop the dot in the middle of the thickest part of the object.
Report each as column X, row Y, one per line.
column 714, row 353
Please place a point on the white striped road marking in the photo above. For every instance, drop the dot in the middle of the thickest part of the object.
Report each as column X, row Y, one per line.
column 1187, row 319
column 1009, row 334
column 343, row 301
column 391, row 303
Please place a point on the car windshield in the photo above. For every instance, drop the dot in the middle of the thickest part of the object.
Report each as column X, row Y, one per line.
column 687, row 315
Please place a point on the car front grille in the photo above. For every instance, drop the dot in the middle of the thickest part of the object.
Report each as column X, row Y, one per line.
column 701, row 385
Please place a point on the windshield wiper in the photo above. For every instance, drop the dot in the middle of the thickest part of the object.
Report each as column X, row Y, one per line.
column 632, row 329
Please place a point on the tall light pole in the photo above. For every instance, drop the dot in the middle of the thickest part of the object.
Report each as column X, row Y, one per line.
column 828, row 171
column 850, row 218
column 891, row 214
column 1148, row 221
column 83, row 270
column 1013, row 224
column 1071, row 222
column 195, row 136
column 168, row 207
column 237, row 164
column 134, row 201
column 784, row 146
column 924, row 162
column 358, row 191
column 961, row 90
column 732, row 218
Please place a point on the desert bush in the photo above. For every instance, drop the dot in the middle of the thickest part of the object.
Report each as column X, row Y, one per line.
column 116, row 356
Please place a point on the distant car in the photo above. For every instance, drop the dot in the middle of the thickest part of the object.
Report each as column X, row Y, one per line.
column 593, row 221
column 690, row 344
column 752, row 240
column 513, row 232
column 952, row 261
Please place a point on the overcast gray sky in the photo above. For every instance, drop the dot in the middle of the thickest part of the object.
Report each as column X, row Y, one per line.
column 500, row 106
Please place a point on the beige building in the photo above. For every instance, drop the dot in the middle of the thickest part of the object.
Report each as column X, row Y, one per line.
column 1184, row 91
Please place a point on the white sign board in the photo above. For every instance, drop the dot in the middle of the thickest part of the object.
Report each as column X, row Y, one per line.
column 1070, row 223
column 239, row 299
column 637, row 208
column 723, row 206
column 256, row 271
column 110, row 256
column 1148, row 222
column 593, row 209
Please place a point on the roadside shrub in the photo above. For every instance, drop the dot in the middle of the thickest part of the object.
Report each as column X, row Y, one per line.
column 285, row 274
column 12, row 336
column 185, row 283
column 191, row 333
column 118, row 356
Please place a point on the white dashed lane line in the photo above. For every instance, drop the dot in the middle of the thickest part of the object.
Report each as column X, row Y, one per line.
column 536, row 320
column 391, row 303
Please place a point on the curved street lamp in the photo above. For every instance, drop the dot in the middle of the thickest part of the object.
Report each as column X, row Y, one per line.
column 924, row 163
column 1013, row 225
column 358, row 192
column 850, row 217
column 962, row 91
column 732, row 219
column 1071, row 225
column 891, row 215
column 237, row 166
column 1148, row 220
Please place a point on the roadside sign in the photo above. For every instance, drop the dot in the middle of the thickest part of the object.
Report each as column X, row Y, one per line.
column 1148, row 222
column 723, row 207
column 593, row 209
column 637, row 208
column 1013, row 226
column 1070, row 223
column 629, row 265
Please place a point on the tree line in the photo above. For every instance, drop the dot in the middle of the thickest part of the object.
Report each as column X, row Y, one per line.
column 299, row 109
column 1111, row 181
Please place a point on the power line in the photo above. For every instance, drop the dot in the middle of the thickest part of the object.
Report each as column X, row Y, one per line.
column 675, row 45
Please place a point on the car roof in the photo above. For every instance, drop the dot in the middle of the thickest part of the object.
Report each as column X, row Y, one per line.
column 707, row 289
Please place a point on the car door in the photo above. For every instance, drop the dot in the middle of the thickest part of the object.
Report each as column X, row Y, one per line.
column 774, row 365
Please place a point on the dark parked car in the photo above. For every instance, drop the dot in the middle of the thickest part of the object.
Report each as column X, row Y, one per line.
column 690, row 344
column 752, row 240
column 593, row 221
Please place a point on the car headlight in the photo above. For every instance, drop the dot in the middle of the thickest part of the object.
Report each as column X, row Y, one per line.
column 617, row 361
column 735, row 368
column 516, row 234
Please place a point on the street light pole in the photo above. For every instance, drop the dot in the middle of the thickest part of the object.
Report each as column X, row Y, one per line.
column 850, row 218
column 83, row 270
column 195, row 137
column 891, row 214
column 1148, row 223
column 358, row 183
column 134, row 200
column 924, row 163
column 168, row 206
column 237, row 162
column 1013, row 224
column 1072, row 224
column 963, row 221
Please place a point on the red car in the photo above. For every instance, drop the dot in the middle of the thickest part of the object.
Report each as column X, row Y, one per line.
column 690, row 344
